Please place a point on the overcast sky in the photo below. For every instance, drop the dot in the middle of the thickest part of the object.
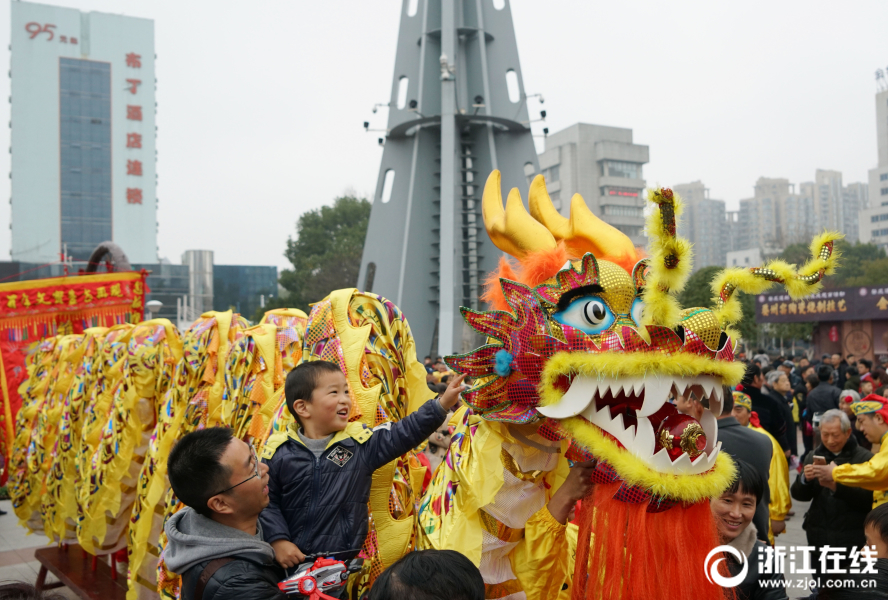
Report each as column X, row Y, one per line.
column 260, row 103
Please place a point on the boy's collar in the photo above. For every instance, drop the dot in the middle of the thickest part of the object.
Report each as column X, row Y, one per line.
column 357, row 431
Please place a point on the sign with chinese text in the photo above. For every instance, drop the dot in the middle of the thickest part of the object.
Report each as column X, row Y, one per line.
column 33, row 310
column 843, row 304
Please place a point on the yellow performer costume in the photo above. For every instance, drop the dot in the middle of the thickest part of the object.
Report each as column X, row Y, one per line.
column 873, row 474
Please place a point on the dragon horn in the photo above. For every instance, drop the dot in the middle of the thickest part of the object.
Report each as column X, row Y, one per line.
column 670, row 262
column 798, row 282
column 513, row 231
column 583, row 232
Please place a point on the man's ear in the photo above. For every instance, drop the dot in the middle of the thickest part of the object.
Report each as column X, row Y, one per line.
column 219, row 503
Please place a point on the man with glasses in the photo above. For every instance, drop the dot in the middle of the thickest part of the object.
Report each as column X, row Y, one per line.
column 216, row 542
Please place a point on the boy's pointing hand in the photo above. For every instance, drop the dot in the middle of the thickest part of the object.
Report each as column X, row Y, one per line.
column 451, row 394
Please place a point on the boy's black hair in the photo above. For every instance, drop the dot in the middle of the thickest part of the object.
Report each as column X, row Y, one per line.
column 824, row 372
column 430, row 575
column 748, row 481
column 866, row 363
column 194, row 469
column 303, row 380
column 878, row 518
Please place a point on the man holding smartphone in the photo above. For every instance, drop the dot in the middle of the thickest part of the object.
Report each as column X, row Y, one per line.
column 872, row 419
column 835, row 517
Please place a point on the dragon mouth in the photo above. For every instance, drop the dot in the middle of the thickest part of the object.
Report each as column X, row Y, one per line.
column 634, row 411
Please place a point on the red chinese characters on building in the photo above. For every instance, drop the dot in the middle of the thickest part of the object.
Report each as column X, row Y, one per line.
column 134, row 140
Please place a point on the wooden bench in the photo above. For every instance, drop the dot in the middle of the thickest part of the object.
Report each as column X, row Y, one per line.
column 83, row 574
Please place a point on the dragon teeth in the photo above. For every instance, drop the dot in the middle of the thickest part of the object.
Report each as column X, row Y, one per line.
column 640, row 439
column 582, row 391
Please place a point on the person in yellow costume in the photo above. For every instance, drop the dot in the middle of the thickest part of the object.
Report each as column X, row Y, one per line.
column 778, row 477
column 872, row 420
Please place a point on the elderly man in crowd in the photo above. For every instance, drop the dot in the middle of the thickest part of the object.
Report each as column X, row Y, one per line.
column 837, row 511
column 778, row 472
column 872, row 419
column 780, row 392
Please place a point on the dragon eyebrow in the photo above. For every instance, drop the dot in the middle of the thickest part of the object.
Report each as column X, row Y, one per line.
column 575, row 293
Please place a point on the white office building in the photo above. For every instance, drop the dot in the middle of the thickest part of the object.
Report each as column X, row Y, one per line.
column 83, row 134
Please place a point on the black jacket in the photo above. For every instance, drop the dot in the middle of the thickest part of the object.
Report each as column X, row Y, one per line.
column 320, row 504
column 821, row 399
column 742, row 443
column 770, row 414
column 756, row 585
column 835, row 518
column 241, row 579
column 785, row 415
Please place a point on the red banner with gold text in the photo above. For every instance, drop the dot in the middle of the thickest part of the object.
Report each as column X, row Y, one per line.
column 33, row 310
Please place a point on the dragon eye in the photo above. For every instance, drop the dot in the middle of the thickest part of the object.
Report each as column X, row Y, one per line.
column 637, row 308
column 589, row 314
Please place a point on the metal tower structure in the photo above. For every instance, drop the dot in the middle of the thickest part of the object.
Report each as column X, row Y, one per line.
column 458, row 110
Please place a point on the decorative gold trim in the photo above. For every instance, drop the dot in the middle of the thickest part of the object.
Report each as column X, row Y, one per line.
column 512, row 467
column 689, row 437
column 496, row 528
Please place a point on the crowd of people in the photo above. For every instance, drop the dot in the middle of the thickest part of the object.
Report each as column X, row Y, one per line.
column 250, row 519
column 837, row 407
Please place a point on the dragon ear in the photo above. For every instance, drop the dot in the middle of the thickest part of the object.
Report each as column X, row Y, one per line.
column 670, row 262
column 513, row 231
column 583, row 232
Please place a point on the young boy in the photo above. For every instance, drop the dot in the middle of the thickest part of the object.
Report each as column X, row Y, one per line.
column 320, row 469
column 875, row 527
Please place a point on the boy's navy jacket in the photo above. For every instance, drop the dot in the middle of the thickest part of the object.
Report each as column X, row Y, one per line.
column 320, row 504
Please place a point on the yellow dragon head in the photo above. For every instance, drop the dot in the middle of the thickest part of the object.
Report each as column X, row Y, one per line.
column 590, row 341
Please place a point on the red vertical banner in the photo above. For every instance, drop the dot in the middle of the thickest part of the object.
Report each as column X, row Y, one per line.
column 34, row 310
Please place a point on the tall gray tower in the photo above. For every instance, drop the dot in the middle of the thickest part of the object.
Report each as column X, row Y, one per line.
column 458, row 110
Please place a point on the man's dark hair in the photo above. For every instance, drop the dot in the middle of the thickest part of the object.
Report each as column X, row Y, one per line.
column 728, row 402
column 194, row 469
column 866, row 363
column 824, row 372
column 430, row 575
column 748, row 481
column 303, row 380
column 878, row 518
column 813, row 380
column 752, row 371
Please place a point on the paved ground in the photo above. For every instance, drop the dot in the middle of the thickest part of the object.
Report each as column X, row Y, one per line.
column 17, row 561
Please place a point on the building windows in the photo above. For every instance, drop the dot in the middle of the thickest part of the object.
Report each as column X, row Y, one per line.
column 883, row 177
column 553, row 174
column 615, row 210
column 85, row 148
column 884, row 191
column 877, row 218
column 880, row 232
column 616, row 168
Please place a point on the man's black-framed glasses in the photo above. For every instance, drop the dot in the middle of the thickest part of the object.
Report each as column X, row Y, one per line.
column 253, row 476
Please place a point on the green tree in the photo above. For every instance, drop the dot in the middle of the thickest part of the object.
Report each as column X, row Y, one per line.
column 325, row 254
